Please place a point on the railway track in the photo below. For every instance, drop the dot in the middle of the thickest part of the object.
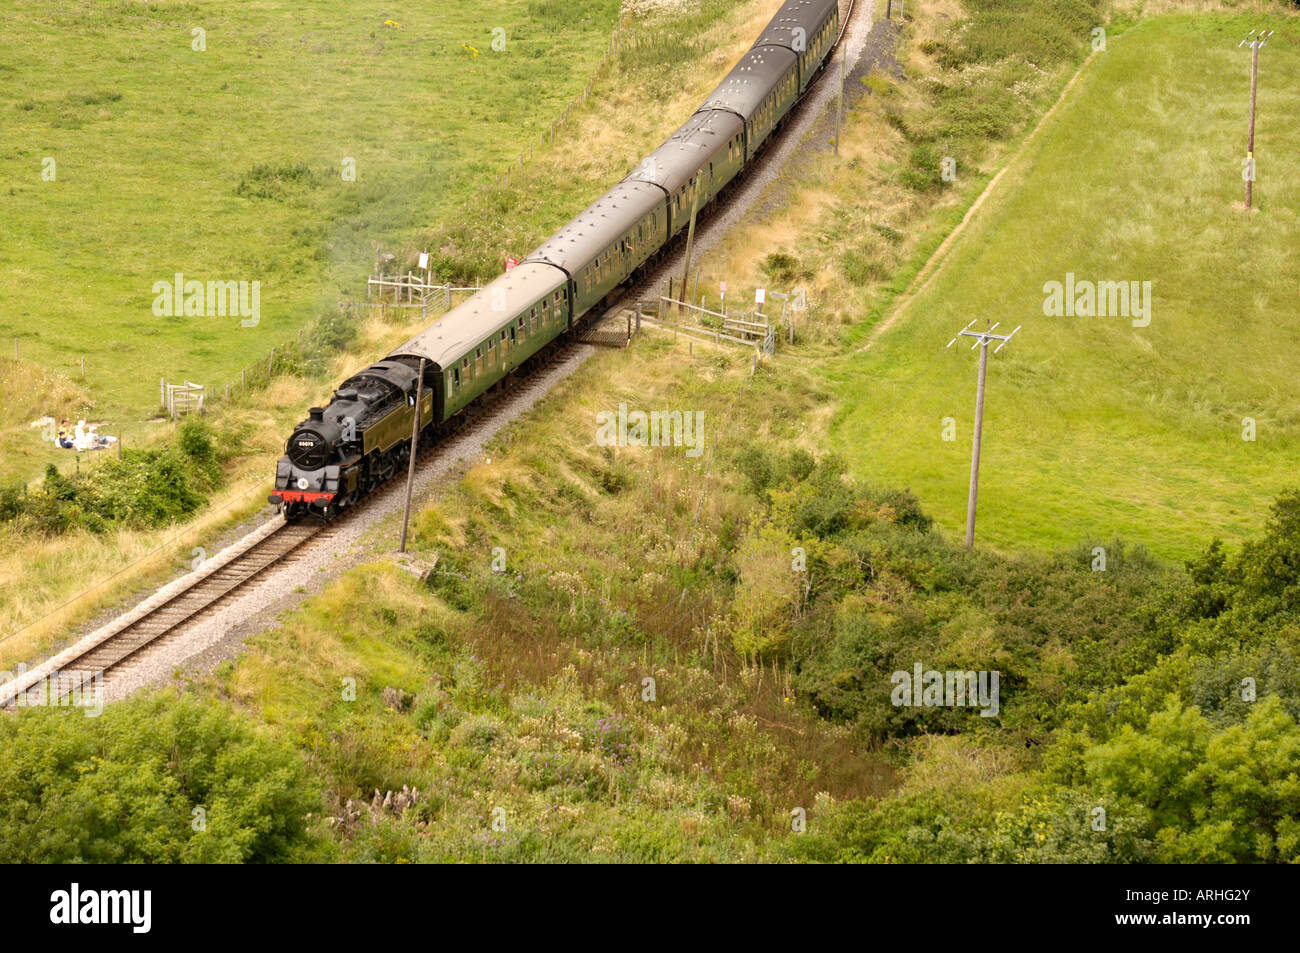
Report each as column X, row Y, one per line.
column 112, row 648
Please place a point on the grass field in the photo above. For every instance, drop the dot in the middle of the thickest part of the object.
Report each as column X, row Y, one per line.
column 227, row 163
column 1096, row 428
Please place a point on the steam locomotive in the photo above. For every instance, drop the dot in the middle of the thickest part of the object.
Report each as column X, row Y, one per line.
column 344, row 450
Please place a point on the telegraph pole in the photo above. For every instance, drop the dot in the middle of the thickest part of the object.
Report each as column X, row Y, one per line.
column 1256, row 40
column 839, row 105
column 415, row 444
column 690, row 242
column 982, row 339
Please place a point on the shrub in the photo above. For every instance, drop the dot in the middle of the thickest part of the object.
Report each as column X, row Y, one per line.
column 127, row 786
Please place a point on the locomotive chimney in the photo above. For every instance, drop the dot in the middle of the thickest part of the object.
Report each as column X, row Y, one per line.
column 316, row 413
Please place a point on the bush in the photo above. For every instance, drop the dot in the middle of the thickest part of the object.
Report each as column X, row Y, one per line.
column 279, row 183
column 11, row 501
column 128, row 786
column 784, row 270
column 861, row 265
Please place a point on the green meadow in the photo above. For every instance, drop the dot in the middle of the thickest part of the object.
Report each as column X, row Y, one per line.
column 1096, row 427
column 222, row 154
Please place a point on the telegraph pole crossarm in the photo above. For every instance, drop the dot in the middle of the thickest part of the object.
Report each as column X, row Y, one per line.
column 982, row 341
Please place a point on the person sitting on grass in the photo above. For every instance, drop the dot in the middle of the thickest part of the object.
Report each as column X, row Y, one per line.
column 65, row 438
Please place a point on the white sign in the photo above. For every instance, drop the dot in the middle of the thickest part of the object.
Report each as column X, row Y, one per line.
column 724, row 287
column 424, row 259
column 760, row 296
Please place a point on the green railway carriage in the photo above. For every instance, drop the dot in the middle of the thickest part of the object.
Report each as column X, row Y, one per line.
column 612, row 237
column 759, row 90
column 703, row 155
column 476, row 344
column 807, row 28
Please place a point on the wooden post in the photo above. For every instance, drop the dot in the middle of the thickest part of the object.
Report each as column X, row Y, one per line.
column 270, row 365
column 83, row 366
column 415, row 444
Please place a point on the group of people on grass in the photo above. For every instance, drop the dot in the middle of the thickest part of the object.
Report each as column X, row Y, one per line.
column 81, row 437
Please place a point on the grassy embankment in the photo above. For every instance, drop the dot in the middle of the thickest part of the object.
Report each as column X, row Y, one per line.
column 1096, row 427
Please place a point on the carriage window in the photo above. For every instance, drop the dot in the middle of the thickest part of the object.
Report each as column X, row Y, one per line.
column 455, row 377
